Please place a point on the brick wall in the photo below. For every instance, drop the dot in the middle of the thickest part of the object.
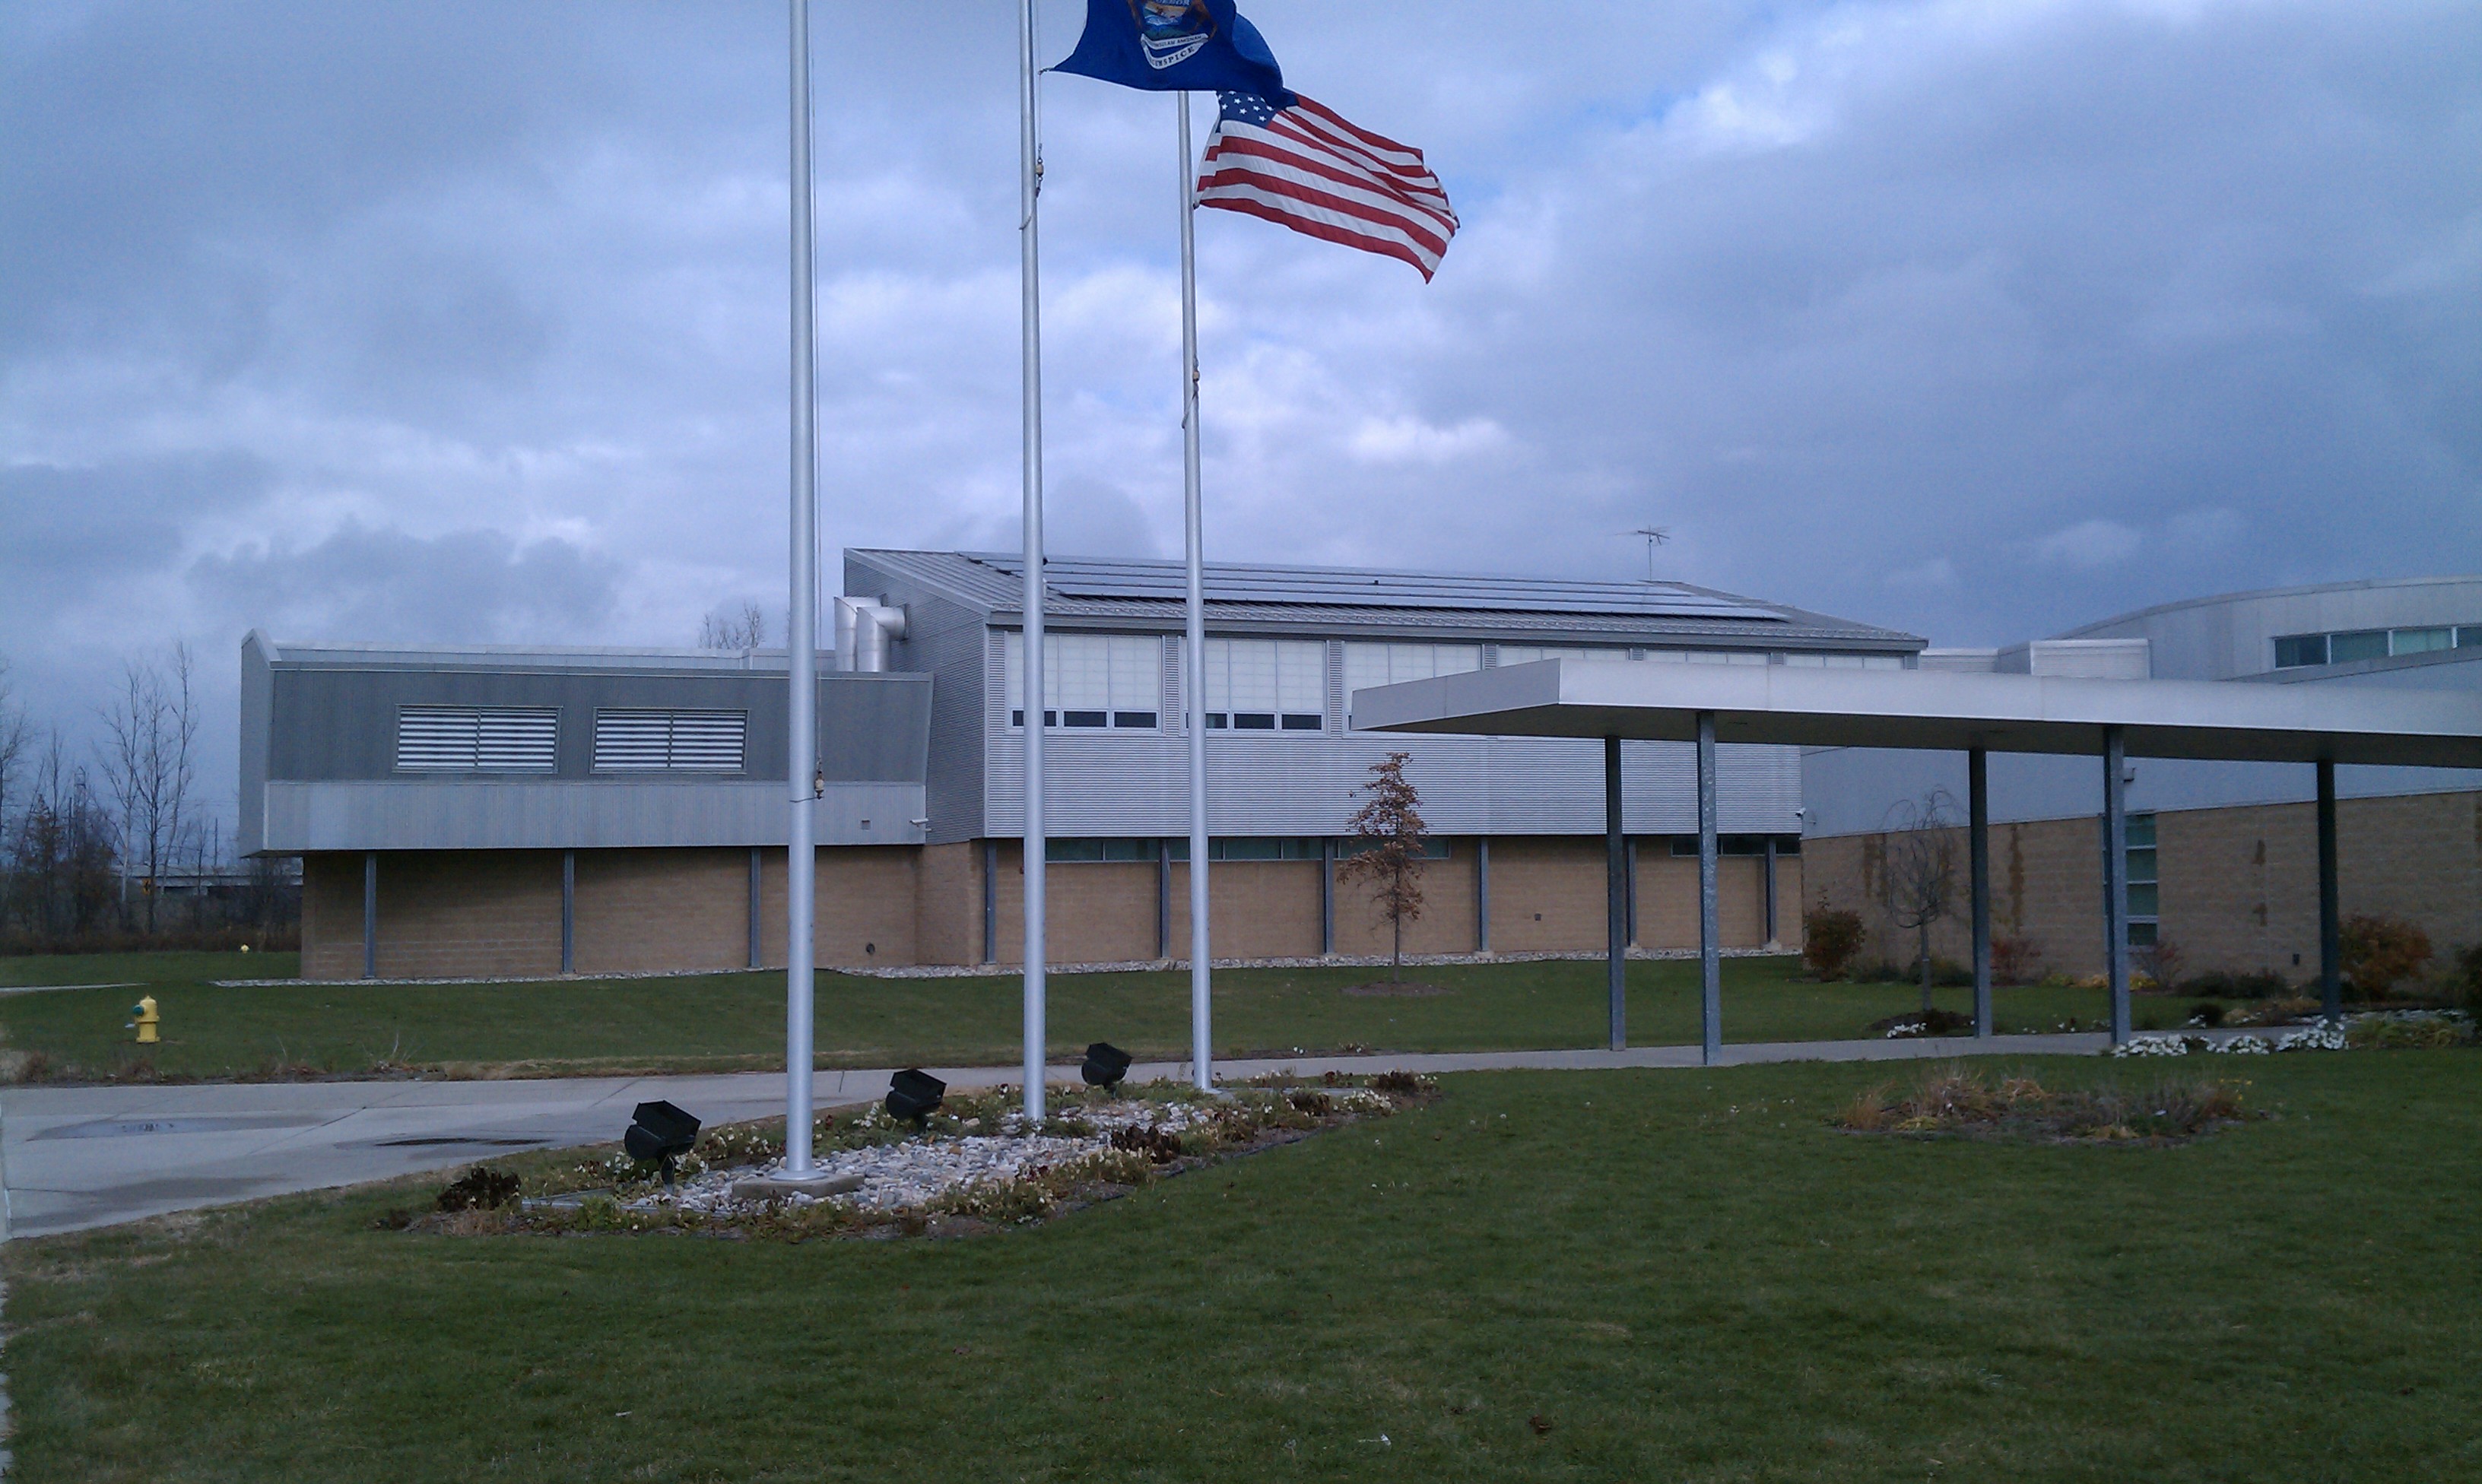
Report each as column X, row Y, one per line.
column 1446, row 925
column 332, row 917
column 864, row 913
column 452, row 914
column 948, row 904
column 647, row 910
column 1546, row 895
column 2239, row 886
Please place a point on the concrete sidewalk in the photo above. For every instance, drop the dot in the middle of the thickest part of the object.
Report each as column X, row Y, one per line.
column 87, row 1157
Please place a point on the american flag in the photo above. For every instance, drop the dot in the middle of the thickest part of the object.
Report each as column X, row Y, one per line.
column 1306, row 167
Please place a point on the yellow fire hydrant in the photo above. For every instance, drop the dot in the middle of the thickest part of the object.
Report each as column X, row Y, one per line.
column 148, row 1020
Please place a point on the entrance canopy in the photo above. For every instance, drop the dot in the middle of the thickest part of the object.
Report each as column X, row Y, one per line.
column 1937, row 710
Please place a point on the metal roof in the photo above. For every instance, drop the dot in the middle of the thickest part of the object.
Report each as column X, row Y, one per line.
column 1940, row 710
column 1362, row 599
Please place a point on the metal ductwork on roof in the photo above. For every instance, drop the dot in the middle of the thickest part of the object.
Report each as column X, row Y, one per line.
column 863, row 629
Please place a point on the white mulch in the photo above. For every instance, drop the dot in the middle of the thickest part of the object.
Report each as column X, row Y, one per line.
column 916, row 1171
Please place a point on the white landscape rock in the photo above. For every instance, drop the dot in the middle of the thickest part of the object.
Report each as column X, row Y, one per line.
column 914, row 1172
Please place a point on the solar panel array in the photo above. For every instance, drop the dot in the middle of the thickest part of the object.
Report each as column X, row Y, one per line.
column 1344, row 588
column 476, row 739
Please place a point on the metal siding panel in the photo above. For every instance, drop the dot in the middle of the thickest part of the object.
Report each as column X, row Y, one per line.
column 945, row 639
column 479, row 815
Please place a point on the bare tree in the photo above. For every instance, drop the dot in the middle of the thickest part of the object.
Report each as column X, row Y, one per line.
column 148, row 764
column 1388, row 836
column 60, row 857
column 17, row 736
column 1917, row 884
column 745, row 630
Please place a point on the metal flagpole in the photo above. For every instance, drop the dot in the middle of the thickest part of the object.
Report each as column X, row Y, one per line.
column 1029, row 272
column 1201, row 976
column 801, row 755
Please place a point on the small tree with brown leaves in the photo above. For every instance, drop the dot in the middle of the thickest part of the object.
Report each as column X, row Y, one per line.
column 1389, row 839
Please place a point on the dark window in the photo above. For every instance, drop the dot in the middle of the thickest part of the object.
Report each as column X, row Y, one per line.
column 2295, row 650
column 1297, row 722
column 2361, row 645
column 1073, row 851
column 1083, row 718
column 2469, row 636
column 1216, row 721
column 1133, row 719
column 1249, row 847
column 1254, row 721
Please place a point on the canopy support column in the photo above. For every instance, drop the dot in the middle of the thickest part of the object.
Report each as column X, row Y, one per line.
column 2330, row 922
column 568, row 911
column 1977, row 789
column 1615, row 895
column 1710, row 935
column 371, row 912
column 2115, row 878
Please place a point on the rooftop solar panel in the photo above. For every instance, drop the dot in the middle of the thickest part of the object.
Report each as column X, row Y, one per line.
column 1164, row 581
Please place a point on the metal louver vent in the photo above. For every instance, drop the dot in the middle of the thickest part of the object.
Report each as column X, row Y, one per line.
column 476, row 739
column 643, row 742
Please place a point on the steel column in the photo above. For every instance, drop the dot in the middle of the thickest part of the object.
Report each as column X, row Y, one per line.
column 1201, row 958
column 1163, row 900
column 990, row 901
column 1977, row 809
column 568, row 911
column 2115, row 878
column 1614, row 896
column 2330, row 922
column 800, row 757
column 1630, row 852
column 1710, row 933
column 1030, row 392
column 1326, row 896
column 1482, row 893
column 1774, row 939
column 758, row 941
column 370, row 914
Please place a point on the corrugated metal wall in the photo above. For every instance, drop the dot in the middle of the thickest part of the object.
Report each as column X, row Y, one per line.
column 1135, row 783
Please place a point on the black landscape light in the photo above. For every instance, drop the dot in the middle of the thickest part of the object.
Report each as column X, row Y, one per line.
column 1105, row 1066
column 913, row 1094
column 660, row 1134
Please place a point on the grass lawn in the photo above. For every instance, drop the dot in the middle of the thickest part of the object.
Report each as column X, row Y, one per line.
column 729, row 1021
column 1647, row 1275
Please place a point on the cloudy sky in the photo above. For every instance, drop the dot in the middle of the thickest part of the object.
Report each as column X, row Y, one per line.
column 467, row 323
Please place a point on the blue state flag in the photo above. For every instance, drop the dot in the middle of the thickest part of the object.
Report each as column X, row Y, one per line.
column 1176, row 45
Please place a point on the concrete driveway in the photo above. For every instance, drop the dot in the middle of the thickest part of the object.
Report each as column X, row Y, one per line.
column 87, row 1157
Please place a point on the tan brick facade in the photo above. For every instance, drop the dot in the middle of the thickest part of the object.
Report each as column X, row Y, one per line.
column 474, row 913
column 2238, row 886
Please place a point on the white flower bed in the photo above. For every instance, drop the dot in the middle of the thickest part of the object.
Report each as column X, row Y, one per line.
column 2308, row 1039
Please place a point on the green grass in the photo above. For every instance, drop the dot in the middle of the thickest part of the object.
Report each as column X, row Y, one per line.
column 725, row 1020
column 1685, row 1274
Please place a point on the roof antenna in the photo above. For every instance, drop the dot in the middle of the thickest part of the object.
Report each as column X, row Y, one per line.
column 1655, row 536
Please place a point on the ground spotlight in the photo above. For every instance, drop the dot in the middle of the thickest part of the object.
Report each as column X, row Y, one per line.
column 660, row 1134
column 913, row 1093
column 1105, row 1066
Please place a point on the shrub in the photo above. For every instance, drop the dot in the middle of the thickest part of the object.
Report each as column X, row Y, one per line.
column 1830, row 938
column 2226, row 984
column 2380, row 951
column 2206, row 1013
column 480, row 1189
column 2468, row 979
column 2013, row 960
column 2160, row 961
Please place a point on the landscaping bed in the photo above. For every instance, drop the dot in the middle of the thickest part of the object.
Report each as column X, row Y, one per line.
column 975, row 1165
column 1977, row 1103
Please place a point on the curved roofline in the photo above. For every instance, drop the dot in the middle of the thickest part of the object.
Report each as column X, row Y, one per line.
column 2361, row 585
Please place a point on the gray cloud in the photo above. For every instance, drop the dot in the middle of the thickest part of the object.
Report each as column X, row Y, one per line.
column 457, row 321
column 465, row 587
